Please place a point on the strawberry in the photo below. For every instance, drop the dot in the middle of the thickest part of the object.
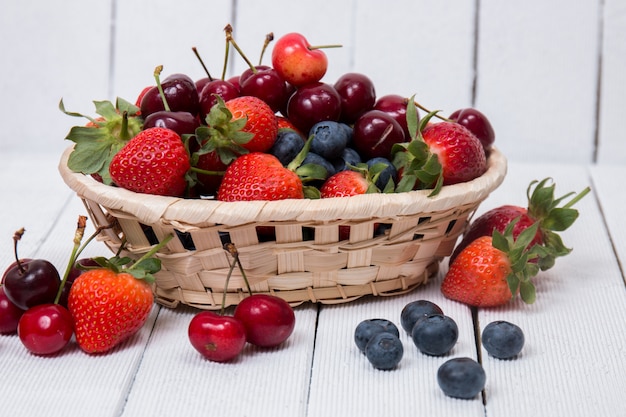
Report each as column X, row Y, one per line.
column 260, row 121
column 438, row 154
column 259, row 176
column 111, row 302
column 155, row 161
column 102, row 137
column 349, row 182
column 542, row 207
column 491, row 270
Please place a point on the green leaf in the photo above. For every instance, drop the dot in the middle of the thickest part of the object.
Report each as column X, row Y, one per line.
column 412, row 118
column 527, row 292
column 311, row 192
column 559, row 219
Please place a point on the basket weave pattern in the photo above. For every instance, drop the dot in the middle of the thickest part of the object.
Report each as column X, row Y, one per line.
column 329, row 251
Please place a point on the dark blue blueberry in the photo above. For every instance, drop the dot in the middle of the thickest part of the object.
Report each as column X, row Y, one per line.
column 348, row 157
column 367, row 329
column 503, row 340
column 287, row 145
column 329, row 139
column 384, row 351
column 313, row 158
column 415, row 310
column 349, row 131
column 461, row 378
column 435, row 334
column 389, row 173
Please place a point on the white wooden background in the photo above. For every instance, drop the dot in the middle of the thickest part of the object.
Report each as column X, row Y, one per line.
column 550, row 74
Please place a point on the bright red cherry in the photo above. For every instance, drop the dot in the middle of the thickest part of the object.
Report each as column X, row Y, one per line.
column 218, row 338
column 268, row 320
column 477, row 123
column 46, row 329
column 9, row 314
column 296, row 62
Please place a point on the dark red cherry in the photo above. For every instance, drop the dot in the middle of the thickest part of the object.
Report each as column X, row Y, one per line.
column 267, row 85
column 477, row 123
column 225, row 89
column 31, row 283
column 358, row 95
column 9, row 314
column 395, row 105
column 181, row 122
column 313, row 103
column 374, row 134
column 180, row 93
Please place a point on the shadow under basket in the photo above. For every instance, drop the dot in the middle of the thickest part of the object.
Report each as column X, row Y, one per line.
column 328, row 251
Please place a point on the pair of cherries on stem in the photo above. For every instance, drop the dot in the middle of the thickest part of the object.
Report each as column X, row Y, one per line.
column 260, row 319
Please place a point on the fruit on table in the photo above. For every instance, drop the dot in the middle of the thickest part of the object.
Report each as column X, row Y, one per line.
column 542, row 207
column 415, row 310
column 155, row 161
column 9, row 314
column 502, row 339
column 461, row 378
column 369, row 328
column 492, row 269
column 297, row 62
column 46, row 329
column 217, row 337
column 268, row 320
column 384, row 351
column 477, row 123
column 435, row 334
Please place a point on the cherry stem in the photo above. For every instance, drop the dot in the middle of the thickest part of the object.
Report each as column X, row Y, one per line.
column 268, row 39
column 226, row 53
column 157, row 73
column 78, row 237
column 232, row 249
column 419, row 106
column 195, row 51
column 17, row 236
column 229, row 39
column 312, row 48
column 206, row 172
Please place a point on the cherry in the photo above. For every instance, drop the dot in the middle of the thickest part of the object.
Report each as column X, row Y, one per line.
column 31, row 283
column 375, row 133
column 313, row 103
column 266, row 84
column 218, row 338
column 23, row 260
column 225, row 89
column 297, row 62
column 181, row 122
column 268, row 320
column 45, row 329
column 179, row 91
column 395, row 105
column 209, row 184
column 358, row 95
column 477, row 123
column 9, row 314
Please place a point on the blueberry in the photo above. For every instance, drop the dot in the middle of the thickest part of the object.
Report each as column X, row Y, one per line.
column 461, row 378
column 503, row 340
column 367, row 329
column 287, row 145
column 313, row 158
column 435, row 334
column 348, row 157
column 384, row 351
column 388, row 173
column 329, row 139
column 416, row 309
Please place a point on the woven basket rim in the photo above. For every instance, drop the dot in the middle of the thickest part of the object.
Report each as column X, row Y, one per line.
column 151, row 209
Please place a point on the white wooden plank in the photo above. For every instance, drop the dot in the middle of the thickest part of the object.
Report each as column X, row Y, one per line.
column 537, row 77
column 50, row 51
column 418, row 47
column 573, row 362
column 151, row 33
column 174, row 379
column 344, row 383
column 612, row 148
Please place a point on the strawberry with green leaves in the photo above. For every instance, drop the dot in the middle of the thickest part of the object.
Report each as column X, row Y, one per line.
column 491, row 270
column 438, row 154
column 357, row 180
column 102, row 137
column 542, row 207
column 155, row 161
column 112, row 302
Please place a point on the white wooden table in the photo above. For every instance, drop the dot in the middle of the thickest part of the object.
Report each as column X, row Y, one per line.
column 573, row 364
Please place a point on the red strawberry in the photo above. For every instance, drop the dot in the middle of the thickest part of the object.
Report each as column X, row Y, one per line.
column 438, row 154
column 260, row 121
column 543, row 208
column 491, row 270
column 259, row 176
column 348, row 183
column 155, row 161
column 107, row 307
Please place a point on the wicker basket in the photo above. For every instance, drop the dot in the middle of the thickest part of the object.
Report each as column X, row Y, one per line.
column 395, row 242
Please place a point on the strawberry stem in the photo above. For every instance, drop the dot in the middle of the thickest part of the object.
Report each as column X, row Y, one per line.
column 206, row 172
column 195, row 51
column 577, row 198
column 157, row 73
column 152, row 251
